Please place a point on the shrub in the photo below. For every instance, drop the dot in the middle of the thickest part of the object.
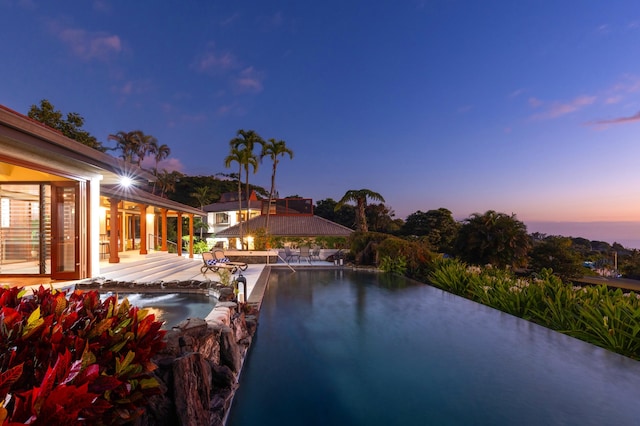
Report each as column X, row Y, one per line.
column 74, row 361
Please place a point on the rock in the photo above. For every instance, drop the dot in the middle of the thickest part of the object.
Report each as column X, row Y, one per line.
column 229, row 350
column 192, row 389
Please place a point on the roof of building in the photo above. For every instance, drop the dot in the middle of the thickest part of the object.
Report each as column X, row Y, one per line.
column 290, row 226
column 137, row 195
column 25, row 138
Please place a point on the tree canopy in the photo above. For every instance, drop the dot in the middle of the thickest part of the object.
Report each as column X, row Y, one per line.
column 493, row 238
column 71, row 127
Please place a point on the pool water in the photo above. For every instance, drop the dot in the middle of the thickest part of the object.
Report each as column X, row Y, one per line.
column 171, row 308
column 356, row 348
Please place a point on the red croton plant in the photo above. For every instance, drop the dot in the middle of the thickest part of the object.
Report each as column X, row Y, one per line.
column 69, row 360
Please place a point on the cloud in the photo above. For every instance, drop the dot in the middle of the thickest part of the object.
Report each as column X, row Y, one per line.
column 618, row 120
column 211, row 61
column 88, row 45
column 168, row 164
column 249, row 81
column 534, row 102
column 516, row 93
column 558, row 109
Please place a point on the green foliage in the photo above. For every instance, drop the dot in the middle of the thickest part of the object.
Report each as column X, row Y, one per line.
column 62, row 360
column 393, row 266
column 225, row 277
column 558, row 254
column 71, row 127
column 603, row 317
column 200, row 247
column 494, row 239
column 438, row 226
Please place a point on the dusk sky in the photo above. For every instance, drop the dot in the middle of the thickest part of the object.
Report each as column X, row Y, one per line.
column 525, row 107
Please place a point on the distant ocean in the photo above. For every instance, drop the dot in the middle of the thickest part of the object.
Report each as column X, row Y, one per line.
column 625, row 233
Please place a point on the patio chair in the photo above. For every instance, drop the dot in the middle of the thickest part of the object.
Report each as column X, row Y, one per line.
column 290, row 255
column 305, row 251
column 221, row 258
column 211, row 264
column 315, row 253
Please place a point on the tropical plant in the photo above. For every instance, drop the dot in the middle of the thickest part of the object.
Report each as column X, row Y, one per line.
column 74, row 361
column 167, row 181
column 493, row 238
column 360, row 198
column 127, row 143
column 236, row 155
column 242, row 147
column 397, row 265
column 557, row 254
column 274, row 149
column 438, row 226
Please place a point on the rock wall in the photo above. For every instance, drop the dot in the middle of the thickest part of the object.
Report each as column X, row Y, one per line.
column 199, row 367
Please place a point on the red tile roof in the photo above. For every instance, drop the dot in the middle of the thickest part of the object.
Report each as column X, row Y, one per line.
column 290, row 226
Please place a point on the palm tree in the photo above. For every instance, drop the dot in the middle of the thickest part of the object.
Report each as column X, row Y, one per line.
column 237, row 156
column 127, row 142
column 274, row 149
column 148, row 145
column 167, row 181
column 360, row 198
column 202, row 194
column 245, row 141
column 160, row 153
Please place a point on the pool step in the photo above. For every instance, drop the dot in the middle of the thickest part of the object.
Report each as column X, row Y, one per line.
column 155, row 267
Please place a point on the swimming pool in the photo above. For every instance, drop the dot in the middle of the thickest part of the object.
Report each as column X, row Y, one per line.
column 355, row 348
column 171, row 308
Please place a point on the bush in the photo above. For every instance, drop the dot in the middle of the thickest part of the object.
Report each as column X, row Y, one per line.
column 606, row 318
column 74, row 361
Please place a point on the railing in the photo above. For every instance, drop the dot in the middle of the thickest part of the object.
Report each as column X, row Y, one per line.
column 156, row 241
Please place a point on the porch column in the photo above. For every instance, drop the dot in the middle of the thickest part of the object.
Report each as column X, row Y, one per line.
column 114, row 230
column 190, row 236
column 164, row 229
column 179, row 233
column 143, row 228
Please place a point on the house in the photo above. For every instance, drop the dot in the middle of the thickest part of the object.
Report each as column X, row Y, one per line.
column 289, row 220
column 65, row 206
column 224, row 214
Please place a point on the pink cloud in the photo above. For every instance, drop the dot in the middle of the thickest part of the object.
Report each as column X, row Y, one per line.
column 249, row 81
column 618, row 120
column 534, row 102
column 558, row 109
column 89, row 45
column 212, row 61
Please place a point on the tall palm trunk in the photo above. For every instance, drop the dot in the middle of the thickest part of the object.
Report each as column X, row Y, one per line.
column 240, row 206
column 273, row 185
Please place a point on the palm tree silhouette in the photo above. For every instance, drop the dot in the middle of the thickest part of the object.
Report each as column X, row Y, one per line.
column 360, row 198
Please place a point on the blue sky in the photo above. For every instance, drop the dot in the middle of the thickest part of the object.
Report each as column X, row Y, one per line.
column 525, row 107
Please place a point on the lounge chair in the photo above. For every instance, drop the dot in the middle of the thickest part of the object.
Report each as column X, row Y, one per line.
column 221, row 258
column 211, row 264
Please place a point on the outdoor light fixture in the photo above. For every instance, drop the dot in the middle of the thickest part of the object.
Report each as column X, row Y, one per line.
column 126, row 181
column 241, row 280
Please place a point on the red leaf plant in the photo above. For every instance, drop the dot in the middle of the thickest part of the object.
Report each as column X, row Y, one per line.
column 69, row 360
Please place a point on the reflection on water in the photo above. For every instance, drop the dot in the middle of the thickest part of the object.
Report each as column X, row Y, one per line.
column 336, row 348
column 170, row 308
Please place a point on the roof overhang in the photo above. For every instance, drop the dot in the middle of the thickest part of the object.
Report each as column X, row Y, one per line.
column 34, row 144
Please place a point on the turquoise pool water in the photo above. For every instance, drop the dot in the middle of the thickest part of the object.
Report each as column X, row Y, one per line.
column 354, row 348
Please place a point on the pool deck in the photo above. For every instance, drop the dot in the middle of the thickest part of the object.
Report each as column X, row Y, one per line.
column 137, row 268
